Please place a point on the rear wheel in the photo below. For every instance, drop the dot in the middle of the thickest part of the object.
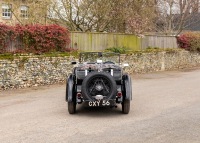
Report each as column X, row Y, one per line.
column 126, row 106
column 66, row 92
column 127, row 93
column 72, row 107
column 71, row 95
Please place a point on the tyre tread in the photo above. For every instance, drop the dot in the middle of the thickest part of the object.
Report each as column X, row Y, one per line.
column 71, row 107
column 126, row 106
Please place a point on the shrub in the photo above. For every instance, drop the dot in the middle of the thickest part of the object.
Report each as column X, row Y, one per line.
column 41, row 39
column 189, row 41
column 5, row 36
column 121, row 50
column 35, row 38
column 71, row 50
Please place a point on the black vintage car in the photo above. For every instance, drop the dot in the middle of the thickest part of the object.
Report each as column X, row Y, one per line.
column 99, row 80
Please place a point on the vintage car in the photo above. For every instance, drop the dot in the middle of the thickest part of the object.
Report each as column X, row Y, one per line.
column 98, row 79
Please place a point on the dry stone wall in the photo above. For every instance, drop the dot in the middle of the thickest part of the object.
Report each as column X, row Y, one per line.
column 33, row 72
column 28, row 72
column 151, row 62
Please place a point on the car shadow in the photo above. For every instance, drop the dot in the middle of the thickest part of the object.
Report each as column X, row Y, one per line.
column 85, row 110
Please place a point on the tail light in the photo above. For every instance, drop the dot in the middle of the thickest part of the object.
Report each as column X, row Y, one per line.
column 119, row 94
column 78, row 95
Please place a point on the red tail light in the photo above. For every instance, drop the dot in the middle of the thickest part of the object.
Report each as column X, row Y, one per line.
column 78, row 95
column 119, row 94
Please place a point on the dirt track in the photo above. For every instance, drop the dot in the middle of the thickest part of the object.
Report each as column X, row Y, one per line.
column 165, row 108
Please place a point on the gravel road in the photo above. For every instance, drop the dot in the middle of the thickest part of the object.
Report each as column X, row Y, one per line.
column 165, row 109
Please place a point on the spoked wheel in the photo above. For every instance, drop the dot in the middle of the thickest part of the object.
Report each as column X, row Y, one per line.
column 98, row 83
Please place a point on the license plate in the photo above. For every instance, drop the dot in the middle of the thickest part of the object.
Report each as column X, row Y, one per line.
column 99, row 103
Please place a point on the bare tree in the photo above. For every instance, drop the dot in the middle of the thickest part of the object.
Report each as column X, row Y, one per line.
column 132, row 16
column 82, row 15
column 176, row 15
column 141, row 16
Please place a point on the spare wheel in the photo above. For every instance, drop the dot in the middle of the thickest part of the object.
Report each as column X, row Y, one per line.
column 98, row 83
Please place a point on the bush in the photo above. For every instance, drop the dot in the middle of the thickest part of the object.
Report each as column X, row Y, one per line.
column 36, row 38
column 189, row 41
column 5, row 35
column 41, row 39
column 121, row 50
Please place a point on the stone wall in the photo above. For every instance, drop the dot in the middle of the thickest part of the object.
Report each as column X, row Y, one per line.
column 28, row 72
column 150, row 62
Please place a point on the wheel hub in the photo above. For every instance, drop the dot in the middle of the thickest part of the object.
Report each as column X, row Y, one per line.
column 99, row 87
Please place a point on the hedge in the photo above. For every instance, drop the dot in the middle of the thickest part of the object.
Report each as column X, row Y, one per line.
column 189, row 41
column 5, row 35
column 34, row 38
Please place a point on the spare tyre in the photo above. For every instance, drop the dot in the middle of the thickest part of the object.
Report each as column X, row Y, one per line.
column 98, row 83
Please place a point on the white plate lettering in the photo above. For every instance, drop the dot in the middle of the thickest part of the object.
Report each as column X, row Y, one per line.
column 105, row 103
column 99, row 103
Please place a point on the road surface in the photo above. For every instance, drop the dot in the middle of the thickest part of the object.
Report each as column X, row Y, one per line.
column 165, row 109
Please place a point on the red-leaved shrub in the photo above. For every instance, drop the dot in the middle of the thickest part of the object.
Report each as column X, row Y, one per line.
column 189, row 41
column 39, row 38
column 5, row 36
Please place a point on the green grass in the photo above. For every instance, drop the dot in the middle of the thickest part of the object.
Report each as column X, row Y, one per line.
column 120, row 50
column 156, row 50
column 9, row 56
column 125, row 50
column 6, row 56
